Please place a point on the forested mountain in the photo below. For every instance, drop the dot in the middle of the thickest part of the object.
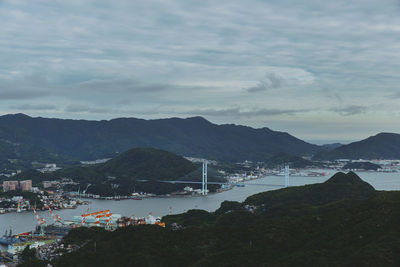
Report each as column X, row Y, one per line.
column 380, row 146
column 197, row 137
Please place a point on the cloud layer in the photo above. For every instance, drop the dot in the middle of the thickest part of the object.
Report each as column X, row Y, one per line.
column 277, row 64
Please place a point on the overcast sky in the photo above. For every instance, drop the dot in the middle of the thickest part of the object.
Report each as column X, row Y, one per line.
column 320, row 70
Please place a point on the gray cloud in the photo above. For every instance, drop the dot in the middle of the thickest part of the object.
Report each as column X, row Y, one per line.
column 120, row 85
column 79, row 108
column 21, row 95
column 332, row 95
column 35, row 107
column 271, row 81
column 350, row 110
column 238, row 112
column 395, row 95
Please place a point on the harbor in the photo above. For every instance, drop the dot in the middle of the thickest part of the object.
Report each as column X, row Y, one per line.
column 47, row 236
column 161, row 206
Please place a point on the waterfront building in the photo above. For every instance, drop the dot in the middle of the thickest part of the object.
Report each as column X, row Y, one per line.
column 26, row 185
column 10, row 185
column 47, row 184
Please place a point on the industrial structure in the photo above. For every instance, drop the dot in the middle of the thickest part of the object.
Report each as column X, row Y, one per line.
column 287, row 176
column 204, row 180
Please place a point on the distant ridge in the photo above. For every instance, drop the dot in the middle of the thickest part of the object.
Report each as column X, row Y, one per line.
column 380, row 146
column 330, row 147
column 196, row 137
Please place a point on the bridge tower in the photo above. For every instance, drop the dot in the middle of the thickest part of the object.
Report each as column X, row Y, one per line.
column 287, row 174
column 204, row 180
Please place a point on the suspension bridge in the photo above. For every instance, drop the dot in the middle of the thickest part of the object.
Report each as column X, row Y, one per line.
column 205, row 181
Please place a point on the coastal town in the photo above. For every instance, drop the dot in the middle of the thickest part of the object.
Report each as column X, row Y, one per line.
column 19, row 196
column 46, row 239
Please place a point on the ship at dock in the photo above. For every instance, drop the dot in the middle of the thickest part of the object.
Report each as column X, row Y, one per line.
column 104, row 219
column 45, row 233
column 9, row 239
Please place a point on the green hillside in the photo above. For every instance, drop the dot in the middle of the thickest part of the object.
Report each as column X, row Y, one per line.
column 137, row 170
column 147, row 164
column 353, row 225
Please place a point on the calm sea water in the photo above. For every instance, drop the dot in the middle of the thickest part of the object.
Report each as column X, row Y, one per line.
column 25, row 221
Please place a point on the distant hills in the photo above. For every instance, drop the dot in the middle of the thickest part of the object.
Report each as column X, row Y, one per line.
column 380, row 146
column 330, row 147
column 196, row 137
column 27, row 142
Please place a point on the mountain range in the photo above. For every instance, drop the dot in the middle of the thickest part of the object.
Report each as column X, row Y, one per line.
column 26, row 141
column 196, row 137
column 380, row 146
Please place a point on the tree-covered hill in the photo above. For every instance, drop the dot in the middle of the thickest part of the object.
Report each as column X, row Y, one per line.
column 136, row 170
column 338, row 187
column 380, row 146
column 147, row 164
column 358, row 227
column 197, row 137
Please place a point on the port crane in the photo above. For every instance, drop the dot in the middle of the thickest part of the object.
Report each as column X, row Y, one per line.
column 98, row 215
column 19, row 206
column 41, row 222
column 56, row 218
column 84, row 191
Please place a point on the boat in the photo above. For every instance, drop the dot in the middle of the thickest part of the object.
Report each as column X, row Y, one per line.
column 58, row 231
column 8, row 239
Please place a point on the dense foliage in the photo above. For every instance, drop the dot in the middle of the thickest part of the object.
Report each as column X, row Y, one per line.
column 357, row 227
column 189, row 137
column 147, row 164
